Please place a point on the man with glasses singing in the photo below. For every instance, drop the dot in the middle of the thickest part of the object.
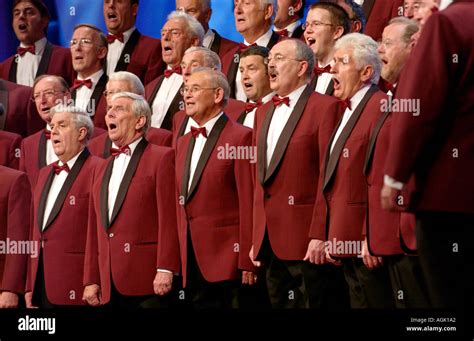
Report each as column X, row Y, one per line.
column 89, row 52
column 291, row 134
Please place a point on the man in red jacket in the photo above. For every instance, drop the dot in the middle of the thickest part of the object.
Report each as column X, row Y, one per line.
column 35, row 56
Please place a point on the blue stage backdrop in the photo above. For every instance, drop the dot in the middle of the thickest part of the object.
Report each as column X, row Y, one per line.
column 65, row 14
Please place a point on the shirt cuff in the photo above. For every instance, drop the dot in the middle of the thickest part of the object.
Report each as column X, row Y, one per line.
column 391, row 182
column 163, row 270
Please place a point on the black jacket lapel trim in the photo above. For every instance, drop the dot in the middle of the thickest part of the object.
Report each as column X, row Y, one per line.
column 45, row 60
column 175, row 106
column 373, row 139
column 4, row 102
column 288, row 130
column 206, row 152
column 97, row 93
column 127, row 51
column 216, row 43
column 58, row 204
column 187, row 168
column 127, row 178
column 107, row 146
column 262, row 144
column 42, row 151
column 367, row 7
column 182, row 128
column 155, row 91
column 43, row 198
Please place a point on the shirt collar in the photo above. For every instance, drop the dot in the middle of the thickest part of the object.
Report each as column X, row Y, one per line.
column 71, row 162
column 39, row 45
column 357, row 98
column 127, row 34
column 263, row 40
column 291, row 27
column 208, row 125
column 132, row 145
column 294, row 96
column 209, row 34
column 268, row 97
column 94, row 77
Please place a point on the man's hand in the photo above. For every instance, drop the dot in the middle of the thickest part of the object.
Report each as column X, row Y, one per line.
column 388, row 197
column 316, row 252
column 92, row 295
column 249, row 277
column 8, row 300
column 371, row 262
column 29, row 300
column 255, row 263
column 162, row 283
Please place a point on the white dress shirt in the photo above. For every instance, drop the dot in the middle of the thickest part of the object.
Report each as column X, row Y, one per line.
column 56, row 186
column 199, row 145
column 50, row 155
column 208, row 39
column 168, row 90
column 84, row 94
column 250, row 117
column 355, row 100
column 118, row 171
column 323, row 80
column 291, row 28
column 279, row 120
column 27, row 65
column 115, row 51
column 359, row 2
column 239, row 89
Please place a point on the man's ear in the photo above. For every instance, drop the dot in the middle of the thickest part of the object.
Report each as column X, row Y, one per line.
column 268, row 10
column 366, row 73
column 83, row 134
column 141, row 122
column 219, row 95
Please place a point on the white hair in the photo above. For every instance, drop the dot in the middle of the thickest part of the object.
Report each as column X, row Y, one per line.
column 140, row 107
column 195, row 28
column 79, row 117
column 211, row 59
column 304, row 52
column 364, row 52
column 133, row 81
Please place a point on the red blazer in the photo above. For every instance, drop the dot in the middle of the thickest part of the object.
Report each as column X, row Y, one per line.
column 145, row 60
column 221, row 45
column 436, row 146
column 177, row 104
column 15, row 201
column 341, row 205
column 217, row 209
column 33, row 154
column 388, row 232
column 10, row 149
column 147, row 202
column 21, row 116
column 285, row 192
column 378, row 14
column 233, row 110
column 56, row 60
column 100, row 146
column 97, row 103
column 64, row 238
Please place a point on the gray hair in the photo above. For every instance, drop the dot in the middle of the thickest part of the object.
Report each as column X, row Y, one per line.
column 195, row 28
column 218, row 80
column 304, row 53
column 211, row 59
column 140, row 107
column 364, row 52
column 133, row 81
column 411, row 27
column 79, row 117
column 60, row 80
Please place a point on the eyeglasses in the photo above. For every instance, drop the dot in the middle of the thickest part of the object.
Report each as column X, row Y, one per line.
column 193, row 89
column 315, row 24
column 48, row 94
column 107, row 93
column 278, row 58
column 82, row 42
column 385, row 42
column 175, row 33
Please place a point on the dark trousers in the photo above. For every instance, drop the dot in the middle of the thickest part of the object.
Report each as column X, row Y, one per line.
column 368, row 288
column 445, row 247
column 124, row 302
column 407, row 282
column 200, row 294
column 300, row 284
column 39, row 292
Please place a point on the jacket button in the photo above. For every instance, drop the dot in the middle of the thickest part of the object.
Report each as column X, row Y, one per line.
column 267, row 195
column 111, row 235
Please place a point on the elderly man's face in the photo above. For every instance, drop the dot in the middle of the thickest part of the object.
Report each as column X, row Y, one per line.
column 409, row 7
column 191, row 61
column 284, row 70
column 123, row 125
column 175, row 40
column 393, row 52
column 286, row 12
column 27, row 23
column 347, row 78
column 119, row 15
column 66, row 138
column 86, row 51
column 201, row 96
column 254, row 79
column 424, row 10
column 249, row 15
column 320, row 34
column 195, row 9
column 48, row 93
